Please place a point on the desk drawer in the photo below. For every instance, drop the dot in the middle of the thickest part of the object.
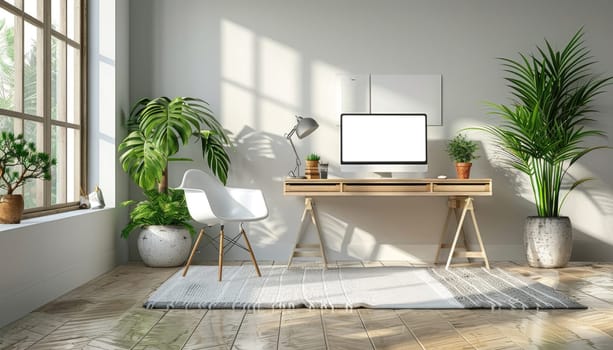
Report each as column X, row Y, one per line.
column 320, row 187
column 383, row 187
column 477, row 187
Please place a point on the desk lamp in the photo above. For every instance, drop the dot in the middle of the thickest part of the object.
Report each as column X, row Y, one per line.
column 303, row 128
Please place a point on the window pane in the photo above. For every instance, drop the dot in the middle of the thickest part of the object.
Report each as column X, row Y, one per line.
column 34, row 8
column 58, row 173
column 73, row 12
column 58, row 15
column 58, row 79
column 9, row 79
column 34, row 190
column 73, row 171
column 73, row 85
column 33, row 70
column 9, row 124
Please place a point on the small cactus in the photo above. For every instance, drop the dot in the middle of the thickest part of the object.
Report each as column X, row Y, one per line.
column 313, row 156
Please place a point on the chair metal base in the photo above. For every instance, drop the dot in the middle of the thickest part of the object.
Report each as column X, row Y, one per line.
column 221, row 239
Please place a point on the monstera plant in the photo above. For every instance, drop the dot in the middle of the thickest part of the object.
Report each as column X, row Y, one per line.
column 158, row 128
column 544, row 132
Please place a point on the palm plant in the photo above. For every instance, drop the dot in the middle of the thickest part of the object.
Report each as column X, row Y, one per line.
column 543, row 132
column 159, row 127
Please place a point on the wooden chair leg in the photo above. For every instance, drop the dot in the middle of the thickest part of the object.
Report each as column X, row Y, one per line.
column 255, row 263
column 221, row 238
column 194, row 249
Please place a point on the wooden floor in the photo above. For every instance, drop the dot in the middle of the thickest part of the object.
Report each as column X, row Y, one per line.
column 106, row 313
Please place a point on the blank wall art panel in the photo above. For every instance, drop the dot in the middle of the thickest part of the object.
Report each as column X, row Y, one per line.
column 355, row 93
column 396, row 93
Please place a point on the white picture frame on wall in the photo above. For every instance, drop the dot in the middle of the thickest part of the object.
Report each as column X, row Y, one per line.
column 393, row 93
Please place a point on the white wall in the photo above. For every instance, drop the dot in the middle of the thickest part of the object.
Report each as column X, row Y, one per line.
column 260, row 63
column 43, row 258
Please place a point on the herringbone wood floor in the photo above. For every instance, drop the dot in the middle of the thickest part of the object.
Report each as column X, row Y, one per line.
column 106, row 313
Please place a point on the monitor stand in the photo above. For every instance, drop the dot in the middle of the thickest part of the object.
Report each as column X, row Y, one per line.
column 402, row 175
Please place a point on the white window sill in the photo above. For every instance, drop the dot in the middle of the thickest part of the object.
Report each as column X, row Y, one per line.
column 51, row 218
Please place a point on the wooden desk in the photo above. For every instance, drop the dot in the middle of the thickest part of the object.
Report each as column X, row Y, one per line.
column 460, row 195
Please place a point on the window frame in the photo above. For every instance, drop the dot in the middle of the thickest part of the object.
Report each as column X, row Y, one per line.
column 47, row 121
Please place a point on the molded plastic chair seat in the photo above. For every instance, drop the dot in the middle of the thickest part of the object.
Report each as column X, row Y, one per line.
column 211, row 203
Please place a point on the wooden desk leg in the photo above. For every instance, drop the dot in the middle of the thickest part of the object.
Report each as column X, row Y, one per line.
column 443, row 235
column 319, row 235
column 453, row 209
column 472, row 214
column 308, row 250
column 468, row 206
column 457, row 232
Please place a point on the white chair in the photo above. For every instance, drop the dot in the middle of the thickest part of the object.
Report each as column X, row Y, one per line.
column 211, row 203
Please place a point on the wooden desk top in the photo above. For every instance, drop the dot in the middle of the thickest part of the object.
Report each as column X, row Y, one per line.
column 387, row 187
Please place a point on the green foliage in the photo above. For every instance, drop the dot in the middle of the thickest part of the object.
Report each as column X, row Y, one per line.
column 313, row 156
column 159, row 209
column 461, row 149
column 20, row 162
column 542, row 133
column 159, row 127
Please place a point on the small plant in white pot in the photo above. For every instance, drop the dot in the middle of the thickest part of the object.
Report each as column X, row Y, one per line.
column 543, row 133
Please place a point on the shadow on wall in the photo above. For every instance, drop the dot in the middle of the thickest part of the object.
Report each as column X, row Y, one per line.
column 267, row 150
column 588, row 206
column 369, row 231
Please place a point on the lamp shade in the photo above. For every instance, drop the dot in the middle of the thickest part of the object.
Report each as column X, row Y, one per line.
column 305, row 127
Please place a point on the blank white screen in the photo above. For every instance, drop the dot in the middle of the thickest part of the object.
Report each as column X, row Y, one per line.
column 383, row 138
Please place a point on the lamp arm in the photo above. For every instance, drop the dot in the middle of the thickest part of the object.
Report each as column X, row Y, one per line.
column 296, row 171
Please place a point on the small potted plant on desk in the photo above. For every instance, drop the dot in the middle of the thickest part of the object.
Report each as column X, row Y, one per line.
column 462, row 150
column 19, row 162
column 312, row 166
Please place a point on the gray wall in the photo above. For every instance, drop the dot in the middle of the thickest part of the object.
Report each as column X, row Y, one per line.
column 260, row 63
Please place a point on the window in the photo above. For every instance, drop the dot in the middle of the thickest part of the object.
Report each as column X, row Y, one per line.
column 42, row 91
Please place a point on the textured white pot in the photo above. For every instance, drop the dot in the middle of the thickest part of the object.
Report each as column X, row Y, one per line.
column 548, row 241
column 164, row 246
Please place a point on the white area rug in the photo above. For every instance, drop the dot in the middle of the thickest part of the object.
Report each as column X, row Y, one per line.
column 371, row 287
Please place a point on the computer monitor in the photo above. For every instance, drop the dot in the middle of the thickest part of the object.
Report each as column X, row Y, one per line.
column 384, row 142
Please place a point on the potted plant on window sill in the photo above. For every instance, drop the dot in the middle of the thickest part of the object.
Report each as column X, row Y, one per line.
column 19, row 163
column 542, row 135
column 462, row 151
column 158, row 128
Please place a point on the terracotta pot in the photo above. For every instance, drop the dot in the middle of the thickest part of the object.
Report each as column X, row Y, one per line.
column 11, row 208
column 463, row 170
column 312, row 169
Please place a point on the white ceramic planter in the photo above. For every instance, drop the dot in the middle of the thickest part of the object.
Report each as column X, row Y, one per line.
column 548, row 241
column 164, row 246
